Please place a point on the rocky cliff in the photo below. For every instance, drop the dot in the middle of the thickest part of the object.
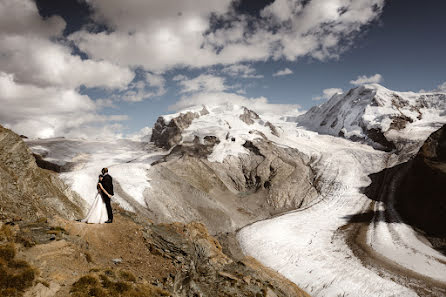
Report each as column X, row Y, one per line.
column 416, row 190
column 27, row 191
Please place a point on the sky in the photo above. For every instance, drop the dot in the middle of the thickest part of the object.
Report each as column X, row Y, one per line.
column 109, row 68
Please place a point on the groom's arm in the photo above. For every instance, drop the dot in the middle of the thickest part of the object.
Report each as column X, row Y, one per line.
column 102, row 188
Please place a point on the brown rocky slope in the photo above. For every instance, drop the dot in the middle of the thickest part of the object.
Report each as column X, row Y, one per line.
column 27, row 191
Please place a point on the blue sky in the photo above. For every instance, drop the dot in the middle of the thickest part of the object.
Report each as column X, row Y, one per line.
column 119, row 78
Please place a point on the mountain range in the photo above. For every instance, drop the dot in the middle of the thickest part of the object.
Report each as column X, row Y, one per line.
column 344, row 200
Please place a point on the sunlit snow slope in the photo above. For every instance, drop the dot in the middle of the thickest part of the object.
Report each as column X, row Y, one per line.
column 317, row 248
column 126, row 160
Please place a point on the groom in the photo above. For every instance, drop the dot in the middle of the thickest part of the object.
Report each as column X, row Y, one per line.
column 107, row 184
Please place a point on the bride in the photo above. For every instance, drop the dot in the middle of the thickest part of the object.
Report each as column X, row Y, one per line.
column 98, row 211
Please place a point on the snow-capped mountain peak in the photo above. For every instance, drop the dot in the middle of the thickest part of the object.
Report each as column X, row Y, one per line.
column 377, row 115
column 227, row 126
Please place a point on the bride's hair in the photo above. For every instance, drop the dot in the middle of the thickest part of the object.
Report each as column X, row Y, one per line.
column 100, row 175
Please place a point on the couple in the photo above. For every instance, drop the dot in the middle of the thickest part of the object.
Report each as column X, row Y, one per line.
column 101, row 211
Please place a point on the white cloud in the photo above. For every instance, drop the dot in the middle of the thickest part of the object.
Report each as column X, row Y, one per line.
column 28, row 50
column 143, row 134
column 158, row 82
column 18, row 16
column 57, row 112
column 38, row 65
column 203, row 83
column 259, row 104
column 328, row 93
column 441, row 88
column 179, row 77
column 282, row 72
column 160, row 35
column 363, row 79
column 241, row 70
column 152, row 85
column 40, row 77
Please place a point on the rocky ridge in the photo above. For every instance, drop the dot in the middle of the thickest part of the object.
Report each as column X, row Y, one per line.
column 27, row 191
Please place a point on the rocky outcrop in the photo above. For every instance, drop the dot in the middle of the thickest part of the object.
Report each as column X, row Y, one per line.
column 186, row 186
column 416, row 190
column 420, row 196
column 206, row 270
column 166, row 134
column 248, row 116
column 282, row 173
column 27, row 191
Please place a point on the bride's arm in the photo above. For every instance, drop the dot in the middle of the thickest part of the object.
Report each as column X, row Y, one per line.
column 102, row 188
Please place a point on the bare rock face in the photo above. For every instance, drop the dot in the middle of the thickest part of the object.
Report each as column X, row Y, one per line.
column 272, row 128
column 434, row 149
column 27, row 191
column 168, row 134
column 249, row 116
column 420, row 197
column 282, row 173
column 226, row 196
column 416, row 189
column 206, row 270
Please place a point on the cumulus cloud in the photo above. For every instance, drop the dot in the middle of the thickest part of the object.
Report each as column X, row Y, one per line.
column 241, row 70
column 179, row 77
column 38, row 65
column 159, row 35
column 363, row 79
column 441, row 88
column 259, row 104
column 143, row 134
column 47, row 111
column 40, row 77
column 203, row 83
column 151, row 85
column 28, row 49
column 282, row 72
column 328, row 93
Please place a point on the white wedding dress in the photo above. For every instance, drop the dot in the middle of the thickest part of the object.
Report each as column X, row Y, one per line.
column 97, row 213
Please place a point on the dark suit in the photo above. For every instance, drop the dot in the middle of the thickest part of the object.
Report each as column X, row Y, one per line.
column 107, row 184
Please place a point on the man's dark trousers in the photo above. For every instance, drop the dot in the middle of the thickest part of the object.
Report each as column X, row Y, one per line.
column 107, row 202
column 107, row 183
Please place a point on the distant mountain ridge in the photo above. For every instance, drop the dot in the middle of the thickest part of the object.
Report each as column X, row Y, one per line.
column 377, row 115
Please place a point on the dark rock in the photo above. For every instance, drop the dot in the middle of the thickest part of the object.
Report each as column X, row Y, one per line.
column 168, row 134
column 46, row 164
column 378, row 137
column 416, row 189
column 272, row 128
column 249, row 116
